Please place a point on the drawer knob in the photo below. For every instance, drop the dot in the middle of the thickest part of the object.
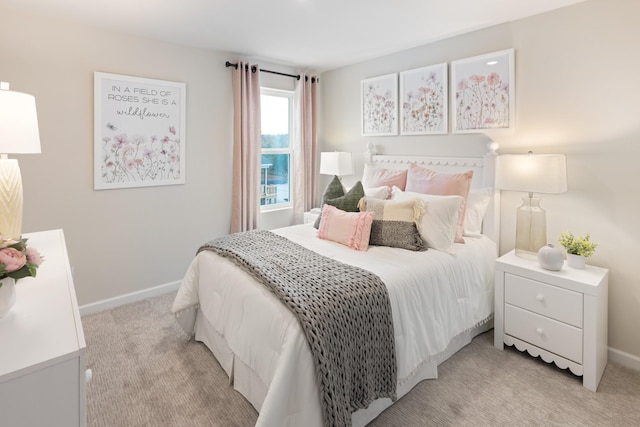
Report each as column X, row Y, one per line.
column 540, row 297
column 539, row 331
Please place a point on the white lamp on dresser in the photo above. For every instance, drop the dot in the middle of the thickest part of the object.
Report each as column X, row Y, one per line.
column 18, row 135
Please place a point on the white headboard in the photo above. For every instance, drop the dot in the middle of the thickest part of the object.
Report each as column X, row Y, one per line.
column 484, row 169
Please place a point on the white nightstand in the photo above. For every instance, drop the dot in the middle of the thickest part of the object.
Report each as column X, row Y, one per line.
column 312, row 215
column 560, row 316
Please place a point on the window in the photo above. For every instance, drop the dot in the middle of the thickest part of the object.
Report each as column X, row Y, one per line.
column 275, row 117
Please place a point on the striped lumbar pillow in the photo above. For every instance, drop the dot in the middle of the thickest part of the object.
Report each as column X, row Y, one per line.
column 394, row 223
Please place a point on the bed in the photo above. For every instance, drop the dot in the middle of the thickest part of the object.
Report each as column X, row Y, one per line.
column 439, row 301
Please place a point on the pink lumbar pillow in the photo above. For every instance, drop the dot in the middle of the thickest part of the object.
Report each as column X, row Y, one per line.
column 378, row 177
column 427, row 181
column 351, row 229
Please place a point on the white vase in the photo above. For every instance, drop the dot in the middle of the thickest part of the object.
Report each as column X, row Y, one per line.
column 550, row 258
column 7, row 295
column 576, row 261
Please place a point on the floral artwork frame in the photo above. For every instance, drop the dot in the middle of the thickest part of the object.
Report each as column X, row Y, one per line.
column 424, row 101
column 379, row 105
column 139, row 132
column 482, row 91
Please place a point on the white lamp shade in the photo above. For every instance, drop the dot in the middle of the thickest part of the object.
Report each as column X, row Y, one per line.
column 533, row 173
column 18, row 123
column 336, row 163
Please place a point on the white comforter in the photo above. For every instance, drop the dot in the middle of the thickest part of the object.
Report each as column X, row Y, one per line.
column 435, row 297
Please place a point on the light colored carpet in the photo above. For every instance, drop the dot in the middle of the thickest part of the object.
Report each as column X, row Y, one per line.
column 145, row 373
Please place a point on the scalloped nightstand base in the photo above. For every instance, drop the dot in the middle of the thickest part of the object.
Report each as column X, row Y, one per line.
column 548, row 357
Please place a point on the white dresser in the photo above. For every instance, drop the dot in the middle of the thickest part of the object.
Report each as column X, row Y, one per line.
column 42, row 347
column 560, row 316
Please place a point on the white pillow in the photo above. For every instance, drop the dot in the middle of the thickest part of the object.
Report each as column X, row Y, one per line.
column 477, row 203
column 440, row 221
column 378, row 192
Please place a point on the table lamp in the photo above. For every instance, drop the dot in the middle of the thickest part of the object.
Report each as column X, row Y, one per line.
column 336, row 163
column 18, row 135
column 531, row 173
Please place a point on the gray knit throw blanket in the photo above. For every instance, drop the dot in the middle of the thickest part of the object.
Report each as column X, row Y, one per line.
column 344, row 312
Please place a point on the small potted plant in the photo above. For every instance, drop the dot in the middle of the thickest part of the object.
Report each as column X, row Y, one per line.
column 578, row 248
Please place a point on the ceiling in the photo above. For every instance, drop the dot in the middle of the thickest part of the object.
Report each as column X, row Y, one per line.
column 314, row 34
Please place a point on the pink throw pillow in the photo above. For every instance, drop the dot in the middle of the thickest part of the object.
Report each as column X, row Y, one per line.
column 378, row 177
column 427, row 181
column 351, row 229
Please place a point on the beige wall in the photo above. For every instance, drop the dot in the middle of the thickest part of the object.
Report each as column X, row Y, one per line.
column 126, row 240
column 576, row 93
column 119, row 241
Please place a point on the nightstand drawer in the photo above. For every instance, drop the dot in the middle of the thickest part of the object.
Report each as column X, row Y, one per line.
column 550, row 301
column 556, row 337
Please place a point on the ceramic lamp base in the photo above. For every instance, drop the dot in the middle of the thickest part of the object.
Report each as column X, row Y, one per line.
column 10, row 199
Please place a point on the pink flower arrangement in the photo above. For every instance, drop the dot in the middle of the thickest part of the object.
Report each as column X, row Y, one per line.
column 17, row 260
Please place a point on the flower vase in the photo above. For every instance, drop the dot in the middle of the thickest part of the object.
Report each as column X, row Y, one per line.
column 576, row 261
column 7, row 295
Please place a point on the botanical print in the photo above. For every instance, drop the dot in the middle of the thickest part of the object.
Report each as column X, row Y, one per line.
column 140, row 158
column 380, row 105
column 483, row 88
column 139, row 132
column 424, row 100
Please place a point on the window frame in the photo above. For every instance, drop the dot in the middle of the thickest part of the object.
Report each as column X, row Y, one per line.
column 289, row 94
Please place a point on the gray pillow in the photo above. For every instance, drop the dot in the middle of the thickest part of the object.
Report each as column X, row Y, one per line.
column 347, row 203
column 335, row 191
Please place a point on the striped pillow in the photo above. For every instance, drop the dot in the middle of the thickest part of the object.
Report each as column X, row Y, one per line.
column 394, row 223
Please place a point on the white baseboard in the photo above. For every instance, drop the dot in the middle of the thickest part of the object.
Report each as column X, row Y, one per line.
column 106, row 304
column 625, row 359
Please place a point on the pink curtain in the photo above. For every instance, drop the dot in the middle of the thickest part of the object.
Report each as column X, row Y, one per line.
column 305, row 146
column 245, row 202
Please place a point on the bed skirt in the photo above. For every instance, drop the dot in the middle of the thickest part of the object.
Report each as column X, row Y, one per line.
column 250, row 385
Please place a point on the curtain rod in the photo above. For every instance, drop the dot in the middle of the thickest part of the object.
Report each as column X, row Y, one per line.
column 295, row 76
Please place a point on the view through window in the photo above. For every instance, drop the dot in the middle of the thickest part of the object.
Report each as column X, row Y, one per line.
column 275, row 182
